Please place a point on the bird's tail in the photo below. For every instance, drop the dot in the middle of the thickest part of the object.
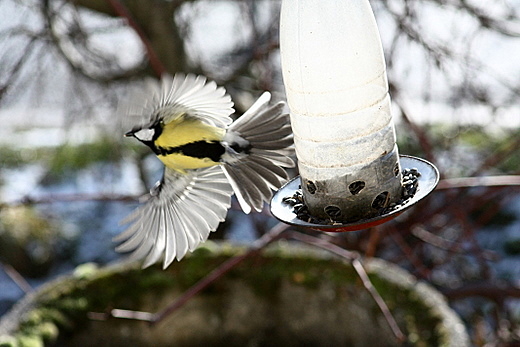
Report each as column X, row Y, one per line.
column 260, row 144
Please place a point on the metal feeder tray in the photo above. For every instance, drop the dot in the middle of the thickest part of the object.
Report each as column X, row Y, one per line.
column 427, row 182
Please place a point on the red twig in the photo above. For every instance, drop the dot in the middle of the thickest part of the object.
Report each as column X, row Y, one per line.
column 121, row 10
column 373, row 241
column 495, row 205
column 499, row 156
column 495, row 292
column 408, row 252
column 470, row 237
column 457, row 190
column 457, row 247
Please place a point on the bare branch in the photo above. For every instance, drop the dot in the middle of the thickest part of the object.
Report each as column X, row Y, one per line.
column 112, row 72
column 353, row 258
column 18, row 66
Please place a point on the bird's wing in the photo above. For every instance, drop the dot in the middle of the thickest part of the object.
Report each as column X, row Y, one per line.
column 198, row 97
column 181, row 211
column 266, row 131
column 174, row 96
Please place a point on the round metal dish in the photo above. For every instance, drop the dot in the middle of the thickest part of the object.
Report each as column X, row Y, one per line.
column 428, row 180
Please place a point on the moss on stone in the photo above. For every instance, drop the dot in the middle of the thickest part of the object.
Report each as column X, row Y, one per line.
column 8, row 341
column 312, row 284
column 27, row 240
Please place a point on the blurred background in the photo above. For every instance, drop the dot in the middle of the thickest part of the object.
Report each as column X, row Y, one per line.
column 67, row 175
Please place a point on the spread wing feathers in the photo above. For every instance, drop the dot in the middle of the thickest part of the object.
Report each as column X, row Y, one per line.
column 197, row 96
column 266, row 131
column 180, row 213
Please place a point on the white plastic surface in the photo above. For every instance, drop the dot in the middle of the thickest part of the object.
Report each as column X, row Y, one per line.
column 335, row 78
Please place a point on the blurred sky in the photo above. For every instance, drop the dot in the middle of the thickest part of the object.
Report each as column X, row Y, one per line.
column 39, row 109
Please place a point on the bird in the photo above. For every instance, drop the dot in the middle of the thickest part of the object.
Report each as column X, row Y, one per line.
column 207, row 158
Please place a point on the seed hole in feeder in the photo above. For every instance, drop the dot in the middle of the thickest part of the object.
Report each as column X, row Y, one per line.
column 311, row 187
column 381, row 201
column 334, row 212
column 356, row 187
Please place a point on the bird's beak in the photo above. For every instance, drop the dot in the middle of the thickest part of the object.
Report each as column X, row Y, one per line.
column 129, row 134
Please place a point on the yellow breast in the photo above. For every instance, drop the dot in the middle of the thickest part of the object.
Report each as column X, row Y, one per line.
column 184, row 131
column 182, row 162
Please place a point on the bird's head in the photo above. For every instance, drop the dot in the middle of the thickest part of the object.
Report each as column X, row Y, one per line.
column 146, row 135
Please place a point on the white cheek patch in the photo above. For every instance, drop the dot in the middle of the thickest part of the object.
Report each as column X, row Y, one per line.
column 145, row 134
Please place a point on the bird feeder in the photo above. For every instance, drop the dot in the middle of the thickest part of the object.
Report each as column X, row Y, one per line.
column 351, row 173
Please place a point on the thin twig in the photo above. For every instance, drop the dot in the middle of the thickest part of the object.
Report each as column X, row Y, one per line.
column 119, row 313
column 493, row 291
column 17, row 278
column 409, row 253
column 373, row 241
column 155, row 62
column 75, row 64
column 54, row 198
column 482, row 181
column 257, row 246
column 469, row 235
column 499, row 156
column 353, row 257
column 430, row 238
column 512, row 181
column 154, row 318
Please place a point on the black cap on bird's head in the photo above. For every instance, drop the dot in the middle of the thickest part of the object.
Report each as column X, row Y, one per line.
column 146, row 133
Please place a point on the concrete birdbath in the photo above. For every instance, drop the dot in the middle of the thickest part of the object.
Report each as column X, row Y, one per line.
column 286, row 295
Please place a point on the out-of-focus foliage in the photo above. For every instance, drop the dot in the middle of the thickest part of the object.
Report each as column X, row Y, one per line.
column 28, row 241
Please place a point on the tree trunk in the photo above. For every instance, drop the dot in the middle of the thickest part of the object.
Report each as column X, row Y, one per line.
column 155, row 18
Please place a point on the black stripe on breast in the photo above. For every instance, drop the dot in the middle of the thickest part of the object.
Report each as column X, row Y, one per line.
column 198, row 149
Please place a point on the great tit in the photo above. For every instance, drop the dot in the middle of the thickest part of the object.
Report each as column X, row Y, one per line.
column 207, row 157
